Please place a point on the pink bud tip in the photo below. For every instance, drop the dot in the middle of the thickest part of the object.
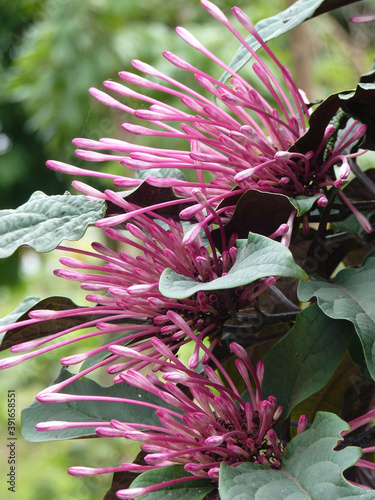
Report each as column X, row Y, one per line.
column 238, row 350
column 214, row 440
column 51, row 397
column 43, row 314
column 322, row 201
column 82, row 471
column 53, row 425
column 130, row 493
column 363, row 18
column 302, row 422
column 282, row 155
column 194, row 361
column 9, row 362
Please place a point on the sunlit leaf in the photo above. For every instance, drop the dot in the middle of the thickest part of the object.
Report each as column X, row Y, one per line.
column 44, row 221
column 257, row 257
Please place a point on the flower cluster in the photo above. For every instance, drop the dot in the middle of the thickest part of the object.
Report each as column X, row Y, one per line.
column 237, row 136
column 237, row 140
column 133, row 306
column 211, row 424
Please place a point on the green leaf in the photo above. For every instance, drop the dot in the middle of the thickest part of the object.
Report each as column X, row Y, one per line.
column 88, row 411
column 24, row 306
column 197, row 489
column 44, row 221
column 350, row 297
column 311, row 469
column 160, row 172
column 303, row 203
column 44, row 328
column 307, row 357
column 257, row 257
column 283, row 22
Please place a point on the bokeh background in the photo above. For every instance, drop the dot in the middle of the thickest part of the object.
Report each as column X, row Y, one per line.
column 52, row 51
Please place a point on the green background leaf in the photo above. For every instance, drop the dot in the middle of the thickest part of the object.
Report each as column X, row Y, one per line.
column 283, row 22
column 86, row 411
column 196, row 490
column 350, row 297
column 44, row 221
column 257, row 257
column 310, row 469
column 304, row 360
column 24, row 306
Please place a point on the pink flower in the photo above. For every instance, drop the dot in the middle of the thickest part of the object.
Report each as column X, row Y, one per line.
column 212, row 424
column 133, row 309
column 236, row 135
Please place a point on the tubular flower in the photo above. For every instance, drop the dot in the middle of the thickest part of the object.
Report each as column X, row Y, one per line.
column 211, row 424
column 133, row 309
column 236, row 135
column 364, row 420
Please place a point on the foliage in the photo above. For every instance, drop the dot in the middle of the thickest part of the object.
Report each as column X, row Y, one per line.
column 244, row 235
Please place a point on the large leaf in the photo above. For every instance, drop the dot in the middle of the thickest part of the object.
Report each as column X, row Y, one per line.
column 44, row 221
column 283, row 22
column 197, row 489
column 351, row 297
column 257, row 257
column 268, row 211
column 358, row 104
column 311, row 470
column 86, row 411
column 42, row 328
column 307, row 357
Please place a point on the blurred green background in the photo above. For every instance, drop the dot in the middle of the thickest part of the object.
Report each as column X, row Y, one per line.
column 51, row 53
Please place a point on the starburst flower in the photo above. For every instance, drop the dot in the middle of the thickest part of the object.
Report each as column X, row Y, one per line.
column 133, row 309
column 241, row 136
column 211, row 425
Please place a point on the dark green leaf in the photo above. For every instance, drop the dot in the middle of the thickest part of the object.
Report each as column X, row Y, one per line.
column 43, row 328
column 44, row 221
column 283, row 22
column 306, row 357
column 360, row 104
column 87, row 411
column 337, row 108
column 318, row 122
column 350, row 297
column 257, row 257
column 311, row 469
column 268, row 211
column 197, row 489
